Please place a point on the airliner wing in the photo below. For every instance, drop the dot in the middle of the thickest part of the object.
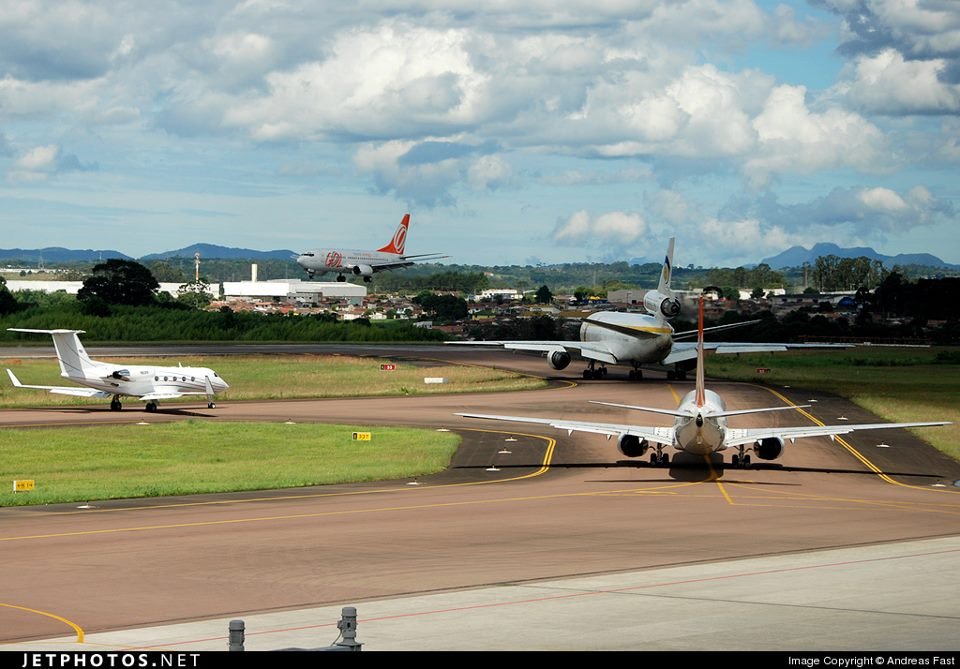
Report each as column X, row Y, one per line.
column 60, row 390
column 406, row 261
column 687, row 350
column 591, row 350
column 660, row 435
column 736, row 437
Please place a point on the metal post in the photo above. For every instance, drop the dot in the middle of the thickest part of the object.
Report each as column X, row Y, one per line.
column 237, row 635
column 348, row 628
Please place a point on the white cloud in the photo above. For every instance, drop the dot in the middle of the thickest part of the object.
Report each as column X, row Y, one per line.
column 35, row 164
column 888, row 84
column 744, row 238
column 613, row 227
column 792, row 138
column 488, row 173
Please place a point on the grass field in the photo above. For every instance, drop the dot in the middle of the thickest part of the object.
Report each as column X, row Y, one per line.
column 899, row 384
column 282, row 377
column 121, row 461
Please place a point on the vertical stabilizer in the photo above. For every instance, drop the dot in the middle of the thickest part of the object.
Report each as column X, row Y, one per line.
column 701, row 394
column 399, row 240
column 664, row 286
column 73, row 358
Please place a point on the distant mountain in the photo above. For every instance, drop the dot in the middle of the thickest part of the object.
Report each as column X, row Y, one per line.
column 210, row 251
column 797, row 255
column 57, row 254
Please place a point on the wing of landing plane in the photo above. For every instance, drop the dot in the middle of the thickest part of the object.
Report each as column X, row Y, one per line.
column 736, row 437
column 660, row 435
column 60, row 390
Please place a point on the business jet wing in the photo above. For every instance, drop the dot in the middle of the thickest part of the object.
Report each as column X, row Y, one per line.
column 736, row 437
column 660, row 435
column 60, row 390
column 590, row 350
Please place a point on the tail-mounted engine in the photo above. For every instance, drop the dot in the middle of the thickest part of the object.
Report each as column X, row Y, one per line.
column 770, row 448
column 559, row 359
column 633, row 446
column 655, row 302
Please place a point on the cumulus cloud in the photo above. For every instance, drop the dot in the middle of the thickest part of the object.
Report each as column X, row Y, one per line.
column 889, row 84
column 792, row 138
column 40, row 162
column 615, row 227
column 744, row 237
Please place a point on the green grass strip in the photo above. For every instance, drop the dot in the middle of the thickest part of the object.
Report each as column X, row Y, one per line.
column 188, row 457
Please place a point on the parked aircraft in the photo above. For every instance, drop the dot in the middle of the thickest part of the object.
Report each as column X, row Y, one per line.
column 103, row 379
column 620, row 338
column 364, row 263
column 700, row 426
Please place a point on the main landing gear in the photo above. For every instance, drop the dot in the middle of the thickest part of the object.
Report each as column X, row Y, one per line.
column 659, row 459
column 677, row 375
column 636, row 374
column 741, row 459
column 115, row 404
column 151, row 406
column 594, row 372
column 341, row 277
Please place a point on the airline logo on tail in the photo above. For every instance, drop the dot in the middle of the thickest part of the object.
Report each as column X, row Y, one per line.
column 399, row 238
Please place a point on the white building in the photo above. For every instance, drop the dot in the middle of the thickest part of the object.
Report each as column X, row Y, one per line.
column 305, row 292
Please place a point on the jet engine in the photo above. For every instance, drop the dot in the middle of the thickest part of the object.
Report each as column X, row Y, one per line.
column 121, row 374
column 363, row 270
column 559, row 359
column 770, row 448
column 633, row 446
column 658, row 302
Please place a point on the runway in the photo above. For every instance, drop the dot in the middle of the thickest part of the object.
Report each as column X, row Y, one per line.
column 558, row 506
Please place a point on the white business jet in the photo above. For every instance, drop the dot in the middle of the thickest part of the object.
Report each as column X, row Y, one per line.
column 103, row 379
column 700, row 426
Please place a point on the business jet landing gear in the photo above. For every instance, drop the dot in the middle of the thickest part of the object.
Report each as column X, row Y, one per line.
column 594, row 372
column 151, row 406
column 115, row 404
column 659, row 459
column 211, row 405
column 740, row 460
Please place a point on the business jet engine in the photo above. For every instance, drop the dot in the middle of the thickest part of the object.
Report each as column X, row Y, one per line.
column 120, row 375
column 633, row 446
column 559, row 359
column 770, row 448
column 363, row 270
column 667, row 306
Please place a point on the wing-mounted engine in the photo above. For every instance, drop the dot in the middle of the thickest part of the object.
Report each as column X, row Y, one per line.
column 633, row 446
column 363, row 270
column 559, row 359
column 770, row 448
column 658, row 303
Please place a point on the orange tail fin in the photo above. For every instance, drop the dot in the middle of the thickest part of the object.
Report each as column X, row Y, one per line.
column 701, row 395
column 399, row 240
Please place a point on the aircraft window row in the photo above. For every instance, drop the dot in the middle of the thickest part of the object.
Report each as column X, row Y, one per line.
column 173, row 378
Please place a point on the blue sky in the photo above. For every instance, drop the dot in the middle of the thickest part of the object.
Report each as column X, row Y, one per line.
column 522, row 132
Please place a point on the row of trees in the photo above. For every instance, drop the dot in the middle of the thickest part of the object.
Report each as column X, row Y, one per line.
column 835, row 273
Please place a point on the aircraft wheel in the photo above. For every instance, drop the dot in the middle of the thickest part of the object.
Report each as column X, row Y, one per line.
column 735, row 460
column 671, row 376
column 211, row 405
column 665, row 459
column 341, row 277
column 115, row 406
column 746, row 461
column 587, row 374
column 653, row 459
column 151, row 407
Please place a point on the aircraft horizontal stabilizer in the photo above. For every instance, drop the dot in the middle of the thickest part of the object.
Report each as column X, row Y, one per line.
column 660, row 435
column 666, row 412
column 49, row 332
column 59, row 390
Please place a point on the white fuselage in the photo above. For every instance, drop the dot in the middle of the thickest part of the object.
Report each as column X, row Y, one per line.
column 139, row 380
column 631, row 337
column 707, row 436
column 342, row 261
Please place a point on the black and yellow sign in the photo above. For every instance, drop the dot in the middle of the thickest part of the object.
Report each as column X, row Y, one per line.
column 362, row 436
column 24, row 485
